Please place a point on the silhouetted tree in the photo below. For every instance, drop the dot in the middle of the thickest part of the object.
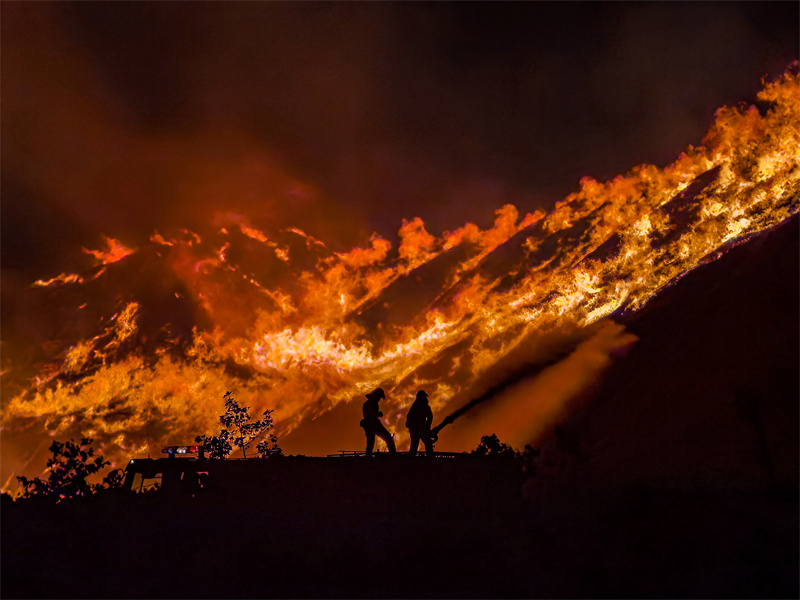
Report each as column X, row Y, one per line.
column 491, row 445
column 68, row 469
column 216, row 446
column 238, row 431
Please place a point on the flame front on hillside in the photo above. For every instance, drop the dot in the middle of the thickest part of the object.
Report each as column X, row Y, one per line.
column 292, row 326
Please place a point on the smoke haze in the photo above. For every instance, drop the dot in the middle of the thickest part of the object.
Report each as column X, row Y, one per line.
column 216, row 144
column 527, row 410
column 124, row 119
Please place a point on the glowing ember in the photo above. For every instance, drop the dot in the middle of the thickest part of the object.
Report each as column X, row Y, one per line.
column 434, row 313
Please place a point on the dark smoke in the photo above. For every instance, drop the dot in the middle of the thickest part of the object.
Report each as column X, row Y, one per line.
column 125, row 118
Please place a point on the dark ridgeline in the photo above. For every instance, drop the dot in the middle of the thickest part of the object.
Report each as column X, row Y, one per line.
column 679, row 478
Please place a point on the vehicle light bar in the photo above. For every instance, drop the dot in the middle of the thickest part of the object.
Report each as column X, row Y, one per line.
column 172, row 450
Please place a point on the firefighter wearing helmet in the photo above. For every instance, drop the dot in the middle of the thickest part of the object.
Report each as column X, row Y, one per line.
column 372, row 422
column 418, row 421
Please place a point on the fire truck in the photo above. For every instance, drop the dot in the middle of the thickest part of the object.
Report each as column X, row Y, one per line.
column 187, row 471
column 179, row 472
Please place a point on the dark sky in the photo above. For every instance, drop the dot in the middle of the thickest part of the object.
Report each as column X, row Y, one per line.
column 344, row 118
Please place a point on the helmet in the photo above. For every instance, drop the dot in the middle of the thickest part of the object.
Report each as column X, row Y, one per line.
column 377, row 393
column 422, row 394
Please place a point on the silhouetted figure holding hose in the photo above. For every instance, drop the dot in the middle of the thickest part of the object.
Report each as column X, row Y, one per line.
column 372, row 421
column 418, row 421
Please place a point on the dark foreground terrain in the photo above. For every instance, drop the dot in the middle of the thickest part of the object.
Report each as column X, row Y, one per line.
column 632, row 543
column 678, row 478
column 643, row 543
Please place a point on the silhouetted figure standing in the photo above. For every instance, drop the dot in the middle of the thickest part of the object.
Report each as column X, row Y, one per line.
column 419, row 421
column 372, row 421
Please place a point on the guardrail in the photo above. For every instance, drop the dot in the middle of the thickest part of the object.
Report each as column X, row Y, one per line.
column 361, row 453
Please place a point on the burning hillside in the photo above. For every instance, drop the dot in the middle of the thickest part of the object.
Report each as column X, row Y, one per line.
column 138, row 351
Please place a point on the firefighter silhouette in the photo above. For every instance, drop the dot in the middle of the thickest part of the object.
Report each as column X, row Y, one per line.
column 419, row 421
column 372, row 421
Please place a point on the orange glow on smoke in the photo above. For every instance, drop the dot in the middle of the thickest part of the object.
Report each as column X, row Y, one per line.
column 116, row 251
column 526, row 410
column 291, row 325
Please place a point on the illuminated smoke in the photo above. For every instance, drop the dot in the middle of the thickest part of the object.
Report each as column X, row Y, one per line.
column 141, row 349
column 523, row 412
column 116, row 251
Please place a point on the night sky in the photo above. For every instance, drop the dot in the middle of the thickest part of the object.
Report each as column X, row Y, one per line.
column 345, row 118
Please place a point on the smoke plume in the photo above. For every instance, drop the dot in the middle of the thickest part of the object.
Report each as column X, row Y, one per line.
column 527, row 410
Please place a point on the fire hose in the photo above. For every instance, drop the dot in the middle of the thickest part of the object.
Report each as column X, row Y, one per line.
column 528, row 371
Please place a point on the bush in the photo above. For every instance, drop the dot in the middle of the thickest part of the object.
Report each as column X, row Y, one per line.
column 72, row 463
column 490, row 445
column 114, row 480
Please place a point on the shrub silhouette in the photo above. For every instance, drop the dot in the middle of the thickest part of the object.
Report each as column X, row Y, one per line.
column 237, row 431
column 69, row 468
column 491, row 445
column 114, row 480
column 269, row 446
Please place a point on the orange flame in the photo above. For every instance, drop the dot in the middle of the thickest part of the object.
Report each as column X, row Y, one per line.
column 116, row 251
column 58, row 280
column 434, row 313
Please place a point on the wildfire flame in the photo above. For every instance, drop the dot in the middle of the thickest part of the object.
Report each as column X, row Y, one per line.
column 301, row 329
column 116, row 251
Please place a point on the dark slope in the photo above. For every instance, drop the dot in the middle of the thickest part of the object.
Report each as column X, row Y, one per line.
column 679, row 478
column 709, row 395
